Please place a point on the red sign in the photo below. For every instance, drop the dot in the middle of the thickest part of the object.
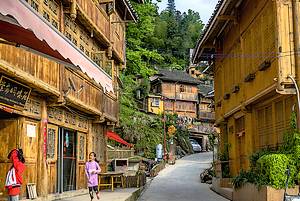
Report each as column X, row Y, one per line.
column 45, row 122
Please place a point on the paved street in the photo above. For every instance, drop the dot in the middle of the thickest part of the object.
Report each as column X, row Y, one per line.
column 181, row 182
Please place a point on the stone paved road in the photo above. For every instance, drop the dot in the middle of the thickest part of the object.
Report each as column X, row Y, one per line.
column 181, row 182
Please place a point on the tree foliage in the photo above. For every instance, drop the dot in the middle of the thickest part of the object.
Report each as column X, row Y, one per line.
column 156, row 40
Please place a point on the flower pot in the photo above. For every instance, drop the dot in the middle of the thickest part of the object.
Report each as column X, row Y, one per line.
column 250, row 192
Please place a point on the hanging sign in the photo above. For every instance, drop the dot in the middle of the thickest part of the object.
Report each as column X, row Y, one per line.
column 13, row 93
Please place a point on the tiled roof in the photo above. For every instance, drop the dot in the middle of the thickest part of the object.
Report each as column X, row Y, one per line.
column 204, row 89
column 132, row 9
column 218, row 6
column 209, row 23
column 175, row 76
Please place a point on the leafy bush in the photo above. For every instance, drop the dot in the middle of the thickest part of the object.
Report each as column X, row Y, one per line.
column 243, row 178
column 271, row 169
column 255, row 156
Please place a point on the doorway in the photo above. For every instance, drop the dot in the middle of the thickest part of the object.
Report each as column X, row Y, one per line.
column 67, row 156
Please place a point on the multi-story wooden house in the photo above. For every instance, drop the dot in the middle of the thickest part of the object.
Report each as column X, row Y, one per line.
column 59, row 66
column 253, row 48
column 178, row 92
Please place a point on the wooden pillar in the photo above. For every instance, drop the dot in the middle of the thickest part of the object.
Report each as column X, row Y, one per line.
column 42, row 174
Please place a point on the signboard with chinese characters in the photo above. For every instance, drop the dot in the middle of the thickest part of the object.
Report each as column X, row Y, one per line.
column 13, row 93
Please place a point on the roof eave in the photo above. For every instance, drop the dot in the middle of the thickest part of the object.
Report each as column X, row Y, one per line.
column 211, row 26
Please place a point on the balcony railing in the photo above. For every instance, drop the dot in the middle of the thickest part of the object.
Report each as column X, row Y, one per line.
column 111, row 107
column 207, row 115
column 182, row 96
column 202, row 129
column 120, row 153
column 96, row 15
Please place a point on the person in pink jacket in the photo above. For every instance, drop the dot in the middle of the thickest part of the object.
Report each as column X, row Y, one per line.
column 92, row 169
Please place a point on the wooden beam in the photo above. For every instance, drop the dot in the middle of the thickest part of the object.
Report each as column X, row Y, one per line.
column 82, row 106
column 106, row 1
column 226, row 17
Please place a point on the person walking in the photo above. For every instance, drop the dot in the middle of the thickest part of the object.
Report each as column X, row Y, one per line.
column 14, row 176
column 92, row 169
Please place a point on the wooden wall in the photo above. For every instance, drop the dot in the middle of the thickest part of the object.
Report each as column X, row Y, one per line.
column 173, row 91
column 246, row 45
column 91, row 94
column 39, row 67
column 96, row 14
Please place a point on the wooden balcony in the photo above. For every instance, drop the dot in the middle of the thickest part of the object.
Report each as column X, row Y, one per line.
column 182, row 96
column 202, row 129
column 118, row 37
column 207, row 115
column 86, row 93
column 111, row 108
column 96, row 17
column 30, row 69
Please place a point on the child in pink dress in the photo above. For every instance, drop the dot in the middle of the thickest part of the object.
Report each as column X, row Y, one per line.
column 92, row 169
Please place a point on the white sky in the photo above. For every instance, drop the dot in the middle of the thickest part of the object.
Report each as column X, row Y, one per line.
column 204, row 7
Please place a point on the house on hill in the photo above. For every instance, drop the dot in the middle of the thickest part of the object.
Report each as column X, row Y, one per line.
column 177, row 90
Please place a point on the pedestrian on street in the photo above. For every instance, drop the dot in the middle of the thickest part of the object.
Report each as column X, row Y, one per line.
column 14, row 176
column 92, row 169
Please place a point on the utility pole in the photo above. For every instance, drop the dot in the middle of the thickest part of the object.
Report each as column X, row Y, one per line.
column 165, row 137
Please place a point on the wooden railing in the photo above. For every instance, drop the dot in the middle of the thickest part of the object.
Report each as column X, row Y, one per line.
column 96, row 15
column 202, row 129
column 30, row 68
column 117, row 34
column 85, row 92
column 182, row 96
column 207, row 115
column 111, row 107
column 119, row 153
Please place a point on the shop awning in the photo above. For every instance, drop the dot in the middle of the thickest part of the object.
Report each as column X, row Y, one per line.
column 114, row 136
column 21, row 24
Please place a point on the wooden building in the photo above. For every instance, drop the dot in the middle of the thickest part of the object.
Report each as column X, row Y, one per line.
column 203, row 125
column 252, row 48
column 177, row 90
column 59, row 68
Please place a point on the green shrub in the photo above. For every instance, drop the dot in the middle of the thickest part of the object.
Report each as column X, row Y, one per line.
column 243, row 178
column 271, row 169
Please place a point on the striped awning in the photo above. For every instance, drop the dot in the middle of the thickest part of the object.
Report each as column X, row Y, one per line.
column 21, row 24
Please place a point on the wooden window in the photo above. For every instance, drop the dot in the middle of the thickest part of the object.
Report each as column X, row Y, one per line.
column 182, row 88
column 240, row 126
column 51, row 138
column 265, row 125
column 109, row 67
column 81, row 147
column 52, row 142
column 155, row 102
column 279, row 121
column 35, row 5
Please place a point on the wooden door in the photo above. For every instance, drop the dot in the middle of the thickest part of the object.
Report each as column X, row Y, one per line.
column 9, row 129
column 52, row 142
column 81, row 160
column 29, row 144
